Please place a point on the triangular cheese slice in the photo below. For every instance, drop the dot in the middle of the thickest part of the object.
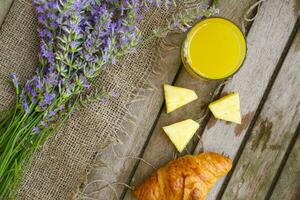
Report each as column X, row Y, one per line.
column 227, row 108
column 181, row 133
column 177, row 97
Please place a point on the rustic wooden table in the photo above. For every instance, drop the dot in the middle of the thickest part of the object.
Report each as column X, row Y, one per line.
column 265, row 147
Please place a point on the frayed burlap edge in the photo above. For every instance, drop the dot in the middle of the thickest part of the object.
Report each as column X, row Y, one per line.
column 59, row 168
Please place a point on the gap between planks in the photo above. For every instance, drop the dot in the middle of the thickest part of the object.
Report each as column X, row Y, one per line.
column 287, row 21
column 285, row 74
column 119, row 158
column 287, row 186
column 148, row 138
column 284, row 163
column 266, row 84
column 234, row 11
column 119, row 168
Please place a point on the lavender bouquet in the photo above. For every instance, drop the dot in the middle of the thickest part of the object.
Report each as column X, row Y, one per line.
column 78, row 38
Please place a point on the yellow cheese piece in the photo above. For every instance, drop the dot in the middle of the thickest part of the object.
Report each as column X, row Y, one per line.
column 227, row 108
column 177, row 97
column 181, row 133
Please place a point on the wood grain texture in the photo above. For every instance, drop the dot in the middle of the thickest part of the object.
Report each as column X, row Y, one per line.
column 160, row 150
column 266, row 41
column 4, row 8
column 120, row 158
column 272, row 134
column 116, row 162
column 288, row 185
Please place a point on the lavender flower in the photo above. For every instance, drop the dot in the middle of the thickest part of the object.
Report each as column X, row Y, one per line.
column 48, row 98
column 78, row 39
column 15, row 80
column 44, row 124
column 24, row 102
column 36, row 130
column 30, row 90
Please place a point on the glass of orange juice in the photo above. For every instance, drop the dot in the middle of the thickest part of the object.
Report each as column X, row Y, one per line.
column 214, row 49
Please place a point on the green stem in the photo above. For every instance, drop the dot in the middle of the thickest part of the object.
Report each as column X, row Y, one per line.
column 19, row 143
column 15, row 108
column 14, row 155
column 215, row 2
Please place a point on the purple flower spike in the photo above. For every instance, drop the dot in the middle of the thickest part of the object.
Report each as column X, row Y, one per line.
column 25, row 106
column 30, row 89
column 43, row 105
column 37, row 82
column 36, row 130
column 24, row 102
column 74, row 44
column 44, row 124
column 85, row 82
column 91, row 71
column 79, row 38
column 48, row 98
column 61, row 107
column 52, row 113
column 15, row 80
column 52, row 79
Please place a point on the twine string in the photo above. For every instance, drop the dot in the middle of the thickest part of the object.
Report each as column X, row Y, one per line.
column 250, row 10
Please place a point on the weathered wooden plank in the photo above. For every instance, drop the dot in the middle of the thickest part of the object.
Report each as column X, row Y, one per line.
column 266, row 42
column 120, row 158
column 288, row 185
column 160, row 150
column 4, row 7
column 144, row 113
column 272, row 134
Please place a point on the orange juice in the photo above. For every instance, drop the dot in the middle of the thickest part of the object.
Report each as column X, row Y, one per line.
column 215, row 48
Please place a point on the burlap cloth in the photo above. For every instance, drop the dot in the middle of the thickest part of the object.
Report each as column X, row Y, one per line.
column 61, row 165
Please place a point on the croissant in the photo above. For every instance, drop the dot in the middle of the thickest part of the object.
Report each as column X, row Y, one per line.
column 187, row 178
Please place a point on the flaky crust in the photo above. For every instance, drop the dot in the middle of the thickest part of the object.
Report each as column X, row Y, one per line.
column 187, row 178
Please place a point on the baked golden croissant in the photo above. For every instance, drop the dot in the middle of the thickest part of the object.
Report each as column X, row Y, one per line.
column 187, row 178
